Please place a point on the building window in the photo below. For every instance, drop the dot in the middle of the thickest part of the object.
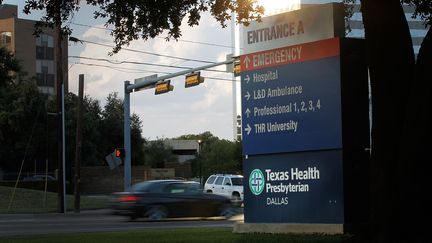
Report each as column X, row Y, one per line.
column 45, row 47
column 6, row 39
column 45, row 73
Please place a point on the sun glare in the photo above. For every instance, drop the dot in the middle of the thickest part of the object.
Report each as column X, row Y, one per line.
column 273, row 7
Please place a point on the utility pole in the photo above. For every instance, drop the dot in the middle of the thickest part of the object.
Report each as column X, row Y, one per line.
column 78, row 146
column 234, row 83
column 59, row 83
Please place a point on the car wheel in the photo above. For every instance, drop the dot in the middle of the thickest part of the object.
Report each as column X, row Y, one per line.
column 228, row 211
column 156, row 213
column 133, row 217
column 235, row 198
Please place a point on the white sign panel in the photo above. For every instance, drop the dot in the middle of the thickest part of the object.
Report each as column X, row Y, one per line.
column 143, row 80
column 113, row 161
column 305, row 25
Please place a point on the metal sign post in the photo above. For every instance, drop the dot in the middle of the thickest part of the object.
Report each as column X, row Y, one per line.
column 127, row 138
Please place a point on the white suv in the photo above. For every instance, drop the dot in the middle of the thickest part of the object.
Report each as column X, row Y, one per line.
column 226, row 184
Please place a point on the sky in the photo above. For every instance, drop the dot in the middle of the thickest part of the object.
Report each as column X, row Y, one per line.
column 207, row 107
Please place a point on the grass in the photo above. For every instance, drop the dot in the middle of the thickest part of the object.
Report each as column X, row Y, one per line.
column 177, row 235
column 33, row 201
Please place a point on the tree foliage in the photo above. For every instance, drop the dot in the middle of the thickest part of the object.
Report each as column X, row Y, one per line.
column 102, row 130
column 91, row 120
column 145, row 19
column 157, row 154
column 220, row 156
column 112, row 124
column 138, row 143
column 423, row 9
column 22, row 110
column 216, row 155
column 28, row 127
column 9, row 67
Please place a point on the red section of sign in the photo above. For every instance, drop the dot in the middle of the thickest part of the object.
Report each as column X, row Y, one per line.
column 290, row 54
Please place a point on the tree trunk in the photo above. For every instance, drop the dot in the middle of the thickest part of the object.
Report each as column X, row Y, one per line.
column 391, row 66
column 417, row 142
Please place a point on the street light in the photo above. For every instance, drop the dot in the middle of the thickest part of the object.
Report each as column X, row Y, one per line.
column 199, row 158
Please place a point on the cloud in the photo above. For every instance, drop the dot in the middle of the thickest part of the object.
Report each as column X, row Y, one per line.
column 207, row 107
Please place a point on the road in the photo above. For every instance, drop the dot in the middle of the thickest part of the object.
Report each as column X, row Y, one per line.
column 95, row 221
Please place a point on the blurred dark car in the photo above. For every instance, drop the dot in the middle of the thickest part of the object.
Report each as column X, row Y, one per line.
column 158, row 199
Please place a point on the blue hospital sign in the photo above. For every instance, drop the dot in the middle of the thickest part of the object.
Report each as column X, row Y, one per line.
column 294, row 187
column 303, row 89
column 291, row 99
column 292, row 134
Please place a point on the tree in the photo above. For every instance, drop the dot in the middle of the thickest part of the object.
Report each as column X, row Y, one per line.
column 102, row 130
column 145, row 19
column 389, row 99
column 157, row 154
column 401, row 91
column 216, row 155
column 220, row 156
column 22, row 110
column 92, row 122
column 112, row 124
column 112, row 129
column 91, row 129
column 137, row 141
column 9, row 67
column 205, row 136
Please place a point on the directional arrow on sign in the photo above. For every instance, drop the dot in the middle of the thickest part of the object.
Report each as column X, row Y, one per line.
column 247, row 79
column 246, row 61
column 247, row 95
column 248, row 129
column 247, row 112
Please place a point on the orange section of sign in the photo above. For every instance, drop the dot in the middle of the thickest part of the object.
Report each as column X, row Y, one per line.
column 290, row 54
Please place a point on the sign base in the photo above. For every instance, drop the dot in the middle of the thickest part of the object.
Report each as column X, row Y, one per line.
column 330, row 229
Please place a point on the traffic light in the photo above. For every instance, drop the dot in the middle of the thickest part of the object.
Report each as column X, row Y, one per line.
column 193, row 79
column 163, row 87
column 119, row 152
column 237, row 69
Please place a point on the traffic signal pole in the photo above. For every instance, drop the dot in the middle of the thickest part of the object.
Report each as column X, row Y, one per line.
column 151, row 82
column 129, row 88
column 127, row 138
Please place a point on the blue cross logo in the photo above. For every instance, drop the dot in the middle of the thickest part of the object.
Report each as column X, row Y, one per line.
column 256, row 181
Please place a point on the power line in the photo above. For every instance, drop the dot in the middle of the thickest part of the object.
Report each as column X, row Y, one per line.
column 140, row 63
column 222, row 79
column 121, row 69
column 188, row 41
column 144, row 52
column 128, row 70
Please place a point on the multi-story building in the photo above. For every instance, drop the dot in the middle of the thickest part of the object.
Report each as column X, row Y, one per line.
column 37, row 54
